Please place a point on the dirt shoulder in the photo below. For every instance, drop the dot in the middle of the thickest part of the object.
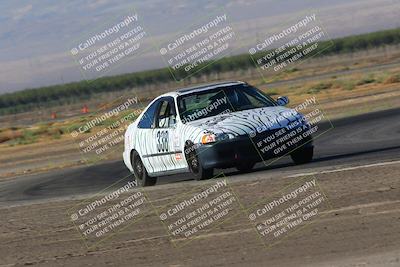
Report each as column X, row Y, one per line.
column 360, row 227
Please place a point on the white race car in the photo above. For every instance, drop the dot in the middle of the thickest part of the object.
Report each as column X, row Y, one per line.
column 211, row 126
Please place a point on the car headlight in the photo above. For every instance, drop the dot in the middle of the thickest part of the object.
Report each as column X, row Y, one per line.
column 212, row 138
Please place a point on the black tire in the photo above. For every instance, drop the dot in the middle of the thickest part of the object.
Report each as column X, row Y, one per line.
column 245, row 166
column 302, row 155
column 195, row 165
column 140, row 172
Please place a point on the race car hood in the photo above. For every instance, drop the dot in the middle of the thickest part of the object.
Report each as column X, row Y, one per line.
column 248, row 121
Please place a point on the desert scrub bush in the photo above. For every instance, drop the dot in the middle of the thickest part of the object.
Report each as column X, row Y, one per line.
column 394, row 78
column 366, row 80
column 291, row 70
column 27, row 137
column 56, row 133
column 319, row 87
column 348, row 85
column 344, row 84
column 271, row 92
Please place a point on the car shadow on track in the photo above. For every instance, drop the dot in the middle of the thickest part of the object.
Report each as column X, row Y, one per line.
column 288, row 163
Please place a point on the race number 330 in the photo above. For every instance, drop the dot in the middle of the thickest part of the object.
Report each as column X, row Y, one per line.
column 162, row 141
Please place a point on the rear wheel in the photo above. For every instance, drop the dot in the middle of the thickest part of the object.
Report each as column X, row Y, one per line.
column 302, row 155
column 140, row 172
column 195, row 165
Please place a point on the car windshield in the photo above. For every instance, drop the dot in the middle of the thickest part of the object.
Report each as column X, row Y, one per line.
column 221, row 100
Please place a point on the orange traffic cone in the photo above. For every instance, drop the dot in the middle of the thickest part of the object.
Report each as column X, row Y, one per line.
column 85, row 109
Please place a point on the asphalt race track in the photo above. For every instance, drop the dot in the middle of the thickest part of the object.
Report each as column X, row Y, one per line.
column 365, row 139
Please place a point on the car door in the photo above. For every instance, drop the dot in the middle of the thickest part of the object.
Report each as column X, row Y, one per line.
column 167, row 158
column 145, row 144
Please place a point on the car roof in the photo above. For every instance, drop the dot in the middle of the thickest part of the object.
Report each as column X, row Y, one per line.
column 202, row 87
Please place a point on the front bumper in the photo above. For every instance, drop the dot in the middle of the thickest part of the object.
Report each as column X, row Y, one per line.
column 230, row 153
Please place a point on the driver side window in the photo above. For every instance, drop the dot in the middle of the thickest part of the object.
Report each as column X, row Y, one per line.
column 166, row 116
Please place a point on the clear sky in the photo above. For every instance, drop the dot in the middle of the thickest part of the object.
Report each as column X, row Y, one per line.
column 36, row 35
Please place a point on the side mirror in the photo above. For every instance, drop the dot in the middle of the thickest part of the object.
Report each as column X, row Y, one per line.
column 282, row 100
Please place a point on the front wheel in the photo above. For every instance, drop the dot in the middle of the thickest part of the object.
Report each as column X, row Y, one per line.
column 195, row 165
column 140, row 172
column 245, row 166
column 302, row 155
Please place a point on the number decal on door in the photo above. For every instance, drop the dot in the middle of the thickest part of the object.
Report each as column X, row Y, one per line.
column 162, row 141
